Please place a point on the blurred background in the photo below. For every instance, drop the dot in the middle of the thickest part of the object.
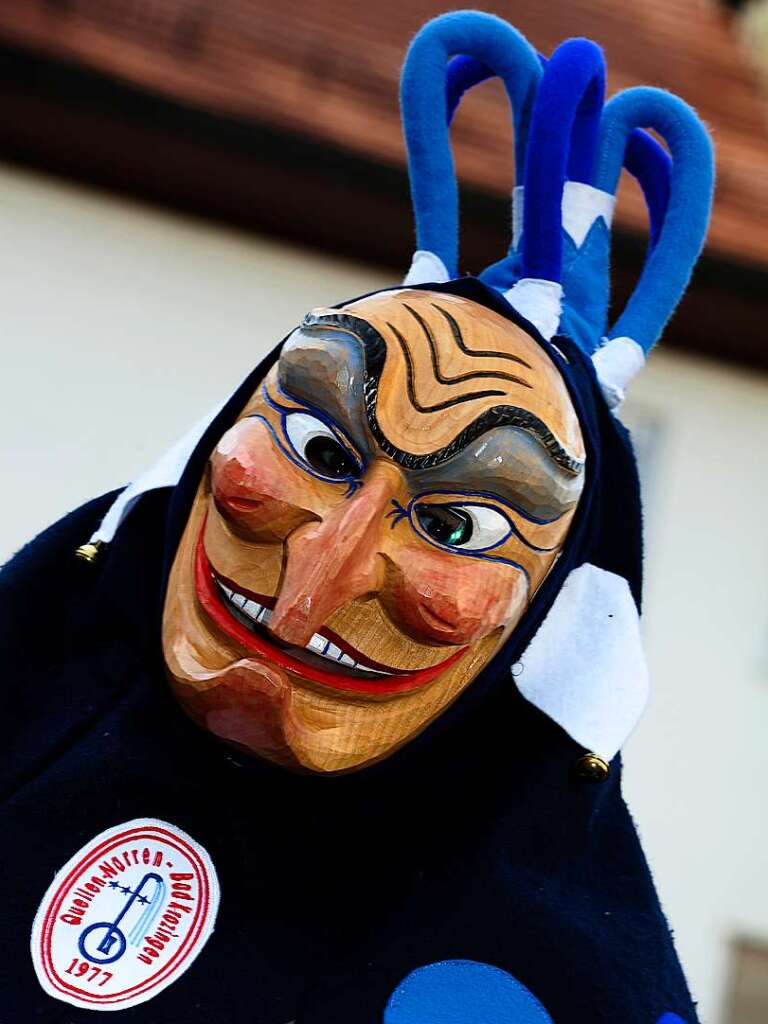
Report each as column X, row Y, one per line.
column 180, row 180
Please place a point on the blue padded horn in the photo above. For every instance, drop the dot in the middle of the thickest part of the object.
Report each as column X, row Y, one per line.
column 645, row 159
column 668, row 267
column 563, row 140
column 562, row 144
column 434, row 189
column 462, row 74
column 651, row 166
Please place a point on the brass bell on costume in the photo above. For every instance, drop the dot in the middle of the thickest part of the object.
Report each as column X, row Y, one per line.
column 89, row 552
column 592, row 768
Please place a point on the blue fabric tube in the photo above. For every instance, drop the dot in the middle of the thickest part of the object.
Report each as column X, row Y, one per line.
column 434, row 189
column 564, row 134
column 462, row 74
column 667, row 269
column 651, row 165
column 645, row 159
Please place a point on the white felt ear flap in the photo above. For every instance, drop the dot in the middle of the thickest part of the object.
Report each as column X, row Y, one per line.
column 616, row 362
column 426, row 268
column 585, row 667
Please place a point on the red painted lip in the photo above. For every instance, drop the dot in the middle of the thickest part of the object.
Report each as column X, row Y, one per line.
column 208, row 596
column 347, row 648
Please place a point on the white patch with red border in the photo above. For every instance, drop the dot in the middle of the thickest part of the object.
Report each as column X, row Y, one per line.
column 125, row 917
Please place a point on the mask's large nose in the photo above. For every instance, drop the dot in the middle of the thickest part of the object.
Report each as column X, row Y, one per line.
column 335, row 560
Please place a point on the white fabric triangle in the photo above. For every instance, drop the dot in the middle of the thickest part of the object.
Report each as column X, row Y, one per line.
column 585, row 668
column 166, row 472
column 582, row 205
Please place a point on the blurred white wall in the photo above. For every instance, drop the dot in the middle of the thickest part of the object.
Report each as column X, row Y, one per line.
column 122, row 324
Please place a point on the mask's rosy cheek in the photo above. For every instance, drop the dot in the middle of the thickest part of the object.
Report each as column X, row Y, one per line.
column 254, row 485
column 452, row 599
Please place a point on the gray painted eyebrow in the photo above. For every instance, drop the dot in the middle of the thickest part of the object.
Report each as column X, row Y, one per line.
column 338, row 352
column 526, row 480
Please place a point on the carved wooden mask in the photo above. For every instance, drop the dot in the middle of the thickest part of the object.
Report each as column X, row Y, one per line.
column 371, row 529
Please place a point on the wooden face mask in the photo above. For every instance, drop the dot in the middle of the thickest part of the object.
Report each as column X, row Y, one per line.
column 371, row 529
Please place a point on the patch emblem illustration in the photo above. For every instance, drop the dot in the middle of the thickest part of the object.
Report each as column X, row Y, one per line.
column 125, row 916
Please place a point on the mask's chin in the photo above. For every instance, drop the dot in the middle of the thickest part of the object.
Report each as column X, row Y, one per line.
column 269, row 713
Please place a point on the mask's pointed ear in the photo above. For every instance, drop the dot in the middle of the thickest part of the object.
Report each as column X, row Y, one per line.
column 428, row 101
column 671, row 259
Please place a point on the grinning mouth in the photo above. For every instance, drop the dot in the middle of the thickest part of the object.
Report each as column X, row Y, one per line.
column 326, row 659
column 326, row 645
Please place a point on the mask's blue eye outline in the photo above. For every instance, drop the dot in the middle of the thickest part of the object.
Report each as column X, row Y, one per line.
column 466, row 501
column 332, row 430
column 468, row 515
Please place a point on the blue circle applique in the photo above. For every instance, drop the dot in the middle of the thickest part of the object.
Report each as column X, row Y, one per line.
column 463, row 992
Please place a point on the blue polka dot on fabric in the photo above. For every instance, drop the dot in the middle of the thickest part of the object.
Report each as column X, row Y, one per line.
column 464, row 992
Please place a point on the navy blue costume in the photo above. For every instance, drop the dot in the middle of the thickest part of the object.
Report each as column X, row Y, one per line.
column 478, row 841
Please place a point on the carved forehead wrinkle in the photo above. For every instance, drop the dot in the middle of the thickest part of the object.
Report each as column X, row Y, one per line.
column 430, row 389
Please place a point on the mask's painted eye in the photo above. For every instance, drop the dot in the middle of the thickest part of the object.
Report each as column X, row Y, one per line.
column 469, row 527
column 318, row 445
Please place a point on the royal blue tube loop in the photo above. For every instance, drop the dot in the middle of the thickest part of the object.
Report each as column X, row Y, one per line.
column 645, row 159
column 668, row 267
column 562, row 142
column 434, row 189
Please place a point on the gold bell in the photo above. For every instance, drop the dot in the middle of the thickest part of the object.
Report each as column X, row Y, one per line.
column 592, row 768
column 89, row 552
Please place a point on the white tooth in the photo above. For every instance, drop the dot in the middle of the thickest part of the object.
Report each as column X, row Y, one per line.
column 333, row 652
column 238, row 600
column 317, row 643
column 226, row 590
column 346, row 660
column 373, row 671
column 265, row 615
column 252, row 609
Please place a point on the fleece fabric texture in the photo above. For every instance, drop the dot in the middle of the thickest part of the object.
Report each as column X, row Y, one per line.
column 477, row 841
column 562, row 143
column 668, row 267
column 424, row 105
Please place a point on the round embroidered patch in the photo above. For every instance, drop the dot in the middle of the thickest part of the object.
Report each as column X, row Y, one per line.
column 125, row 916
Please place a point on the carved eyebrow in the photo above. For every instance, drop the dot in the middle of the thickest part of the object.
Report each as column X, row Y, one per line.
column 528, row 482
column 374, row 354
